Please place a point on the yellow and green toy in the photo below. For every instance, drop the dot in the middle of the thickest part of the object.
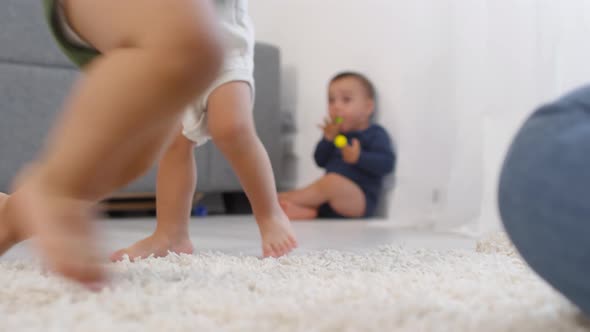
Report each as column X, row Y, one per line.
column 340, row 141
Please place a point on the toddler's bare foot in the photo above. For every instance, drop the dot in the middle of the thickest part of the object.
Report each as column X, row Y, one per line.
column 63, row 230
column 8, row 234
column 296, row 212
column 278, row 238
column 158, row 245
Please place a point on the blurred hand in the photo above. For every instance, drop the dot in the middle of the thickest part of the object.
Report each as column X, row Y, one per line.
column 352, row 153
column 330, row 128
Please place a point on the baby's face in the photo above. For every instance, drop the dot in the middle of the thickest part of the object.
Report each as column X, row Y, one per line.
column 348, row 99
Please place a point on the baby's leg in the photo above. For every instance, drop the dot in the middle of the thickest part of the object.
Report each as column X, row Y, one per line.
column 158, row 55
column 298, row 212
column 177, row 180
column 343, row 195
column 232, row 128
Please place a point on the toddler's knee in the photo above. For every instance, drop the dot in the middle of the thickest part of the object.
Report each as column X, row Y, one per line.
column 190, row 58
column 200, row 54
column 181, row 144
column 232, row 133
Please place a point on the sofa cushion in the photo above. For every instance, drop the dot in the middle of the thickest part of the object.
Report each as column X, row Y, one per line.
column 25, row 37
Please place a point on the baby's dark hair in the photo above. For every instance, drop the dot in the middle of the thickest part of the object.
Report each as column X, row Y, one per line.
column 369, row 87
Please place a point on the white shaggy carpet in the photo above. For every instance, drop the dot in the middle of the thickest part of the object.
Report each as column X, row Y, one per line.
column 387, row 289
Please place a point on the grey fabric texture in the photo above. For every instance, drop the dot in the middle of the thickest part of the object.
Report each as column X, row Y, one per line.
column 25, row 37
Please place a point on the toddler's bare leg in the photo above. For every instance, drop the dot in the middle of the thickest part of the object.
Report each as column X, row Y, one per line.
column 158, row 55
column 232, row 128
column 177, row 179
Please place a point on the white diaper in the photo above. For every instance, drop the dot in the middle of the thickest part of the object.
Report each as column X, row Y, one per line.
column 238, row 38
column 194, row 121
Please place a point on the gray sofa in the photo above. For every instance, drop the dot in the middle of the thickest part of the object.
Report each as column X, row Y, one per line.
column 35, row 77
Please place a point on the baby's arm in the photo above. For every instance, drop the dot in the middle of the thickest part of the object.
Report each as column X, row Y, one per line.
column 323, row 152
column 378, row 157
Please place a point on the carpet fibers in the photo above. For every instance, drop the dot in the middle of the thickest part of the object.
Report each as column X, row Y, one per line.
column 386, row 289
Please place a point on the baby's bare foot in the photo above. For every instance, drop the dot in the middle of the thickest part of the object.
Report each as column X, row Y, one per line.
column 296, row 212
column 8, row 234
column 158, row 245
column 278, row 238
column 63, row 230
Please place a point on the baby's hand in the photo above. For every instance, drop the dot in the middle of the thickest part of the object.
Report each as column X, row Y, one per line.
column 331, row 129
column 352, row 153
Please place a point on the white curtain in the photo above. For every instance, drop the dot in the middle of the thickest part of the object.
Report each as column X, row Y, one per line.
column 500, row 60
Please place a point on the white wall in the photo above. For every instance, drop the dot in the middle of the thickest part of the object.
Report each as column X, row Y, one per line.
column 455, row 79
